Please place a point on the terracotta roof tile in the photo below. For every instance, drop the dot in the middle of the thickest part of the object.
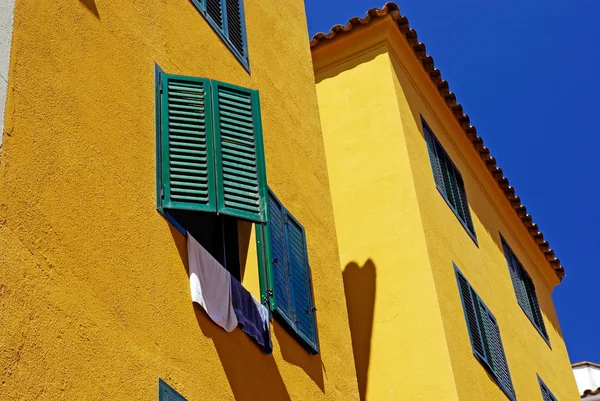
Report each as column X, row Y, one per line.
column 588, row 393
column 444, row 89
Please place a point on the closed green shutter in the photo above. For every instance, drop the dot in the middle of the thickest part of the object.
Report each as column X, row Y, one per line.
column 448, row 180
column 227, row 19
column 240, row 165
column 167, row 393
column 535, row 306
column 300, row 281
column 235, row 25
column 187, row 147
column 473, row 316
column 525, row 290
column 546, row 393
column 291, row 277
column 214, row 9
column 434, row 159
column 497, row 356
column 485, row 335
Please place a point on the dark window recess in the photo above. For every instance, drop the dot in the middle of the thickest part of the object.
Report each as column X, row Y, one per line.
column 484, row 334
column 525, row 291
column 218, row 234
column 448, row 180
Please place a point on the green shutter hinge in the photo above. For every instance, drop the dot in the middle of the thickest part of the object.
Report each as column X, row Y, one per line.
column 270, row 292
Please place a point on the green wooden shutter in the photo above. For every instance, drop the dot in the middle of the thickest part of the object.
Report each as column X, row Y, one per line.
column 187, row 146
column 291, row 277
column 434, row 159
column 214, row 9
column 167, row 393
column 300, row 281
column 546, row 393
column 497, row 356
column 235, row 25
column 240, row 164
column 279, row 263
column 537, row 316
column 473, row 317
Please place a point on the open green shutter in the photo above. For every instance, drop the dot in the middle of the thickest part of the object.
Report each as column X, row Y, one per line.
column 300, row 282
column 240, row 165
column 434, row 159
column 279, row 264
column 497, row 356
column 186, row 142
column 472, row 315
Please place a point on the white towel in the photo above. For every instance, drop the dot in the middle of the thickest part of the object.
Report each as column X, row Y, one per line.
column 210, row 285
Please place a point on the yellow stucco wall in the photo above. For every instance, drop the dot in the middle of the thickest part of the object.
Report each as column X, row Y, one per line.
column 389, row 285
column 349, row 64
column 94, row 294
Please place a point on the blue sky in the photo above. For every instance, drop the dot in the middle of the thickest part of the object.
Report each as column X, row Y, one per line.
column 526, row 72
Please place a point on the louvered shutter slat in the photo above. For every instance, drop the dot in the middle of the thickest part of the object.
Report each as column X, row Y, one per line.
column 471, row 315
column 301, row 286
column 241, row 183
column 235, row 29
column 535, row 307
column 498, row 358
column 187, row 167
column 279, row 261
column 214, row 8
column 435, row 162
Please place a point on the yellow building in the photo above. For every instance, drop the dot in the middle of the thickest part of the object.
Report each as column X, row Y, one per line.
column 136, row 132
column 107, row 159
column 448, row 298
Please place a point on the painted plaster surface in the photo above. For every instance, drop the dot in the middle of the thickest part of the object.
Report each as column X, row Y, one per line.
column 423, row 234
column 395, row 318
column 6, row 27
column 94, row 295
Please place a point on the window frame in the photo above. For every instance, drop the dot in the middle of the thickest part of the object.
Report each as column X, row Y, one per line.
column 455, row 176
column 244, row 59
column 529, row 291
column 543, row 386
column 168, row 393
column 481, row 313
column 267, row 282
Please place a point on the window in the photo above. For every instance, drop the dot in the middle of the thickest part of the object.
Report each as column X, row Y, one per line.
column 210, row 161
column 448, row 181
column 485, row 335
column 288, row 279
column 525, row 290
column 546, row 394
column 166, row 392
column 227, row 19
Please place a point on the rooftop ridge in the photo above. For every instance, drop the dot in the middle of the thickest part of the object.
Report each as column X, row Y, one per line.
column 456, row 108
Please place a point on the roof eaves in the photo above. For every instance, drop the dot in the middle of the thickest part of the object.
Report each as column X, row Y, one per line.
column 456, row 109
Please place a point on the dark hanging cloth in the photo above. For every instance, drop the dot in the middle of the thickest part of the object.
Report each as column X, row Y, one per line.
column 253, row 317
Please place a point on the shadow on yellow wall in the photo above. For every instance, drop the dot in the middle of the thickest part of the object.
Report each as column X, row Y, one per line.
column 359, row 285
column 91, row 6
